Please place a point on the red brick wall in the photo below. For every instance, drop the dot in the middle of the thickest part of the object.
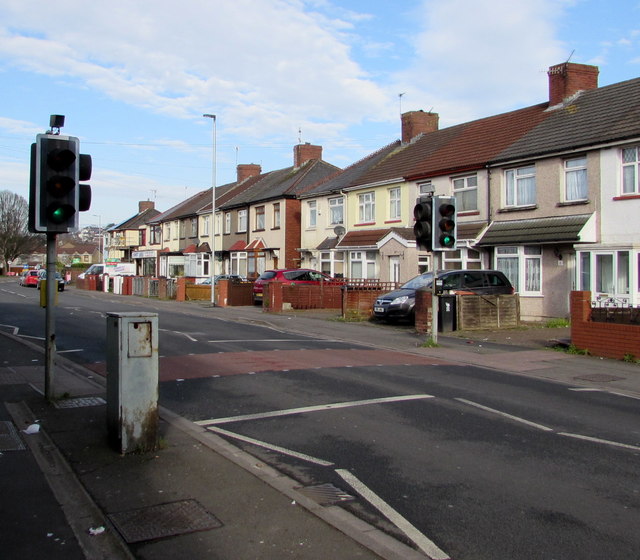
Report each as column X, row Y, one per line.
column 289, row 257
column 610, row 340
column 568, row 78
column 423, row 311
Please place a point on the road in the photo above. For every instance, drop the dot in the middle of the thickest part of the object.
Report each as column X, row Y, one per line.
column 459, row 461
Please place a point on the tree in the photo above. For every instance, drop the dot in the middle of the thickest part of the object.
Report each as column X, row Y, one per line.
column 15, row 238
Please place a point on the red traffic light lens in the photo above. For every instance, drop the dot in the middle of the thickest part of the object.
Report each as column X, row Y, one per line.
column 447, row 210
column 60, row 159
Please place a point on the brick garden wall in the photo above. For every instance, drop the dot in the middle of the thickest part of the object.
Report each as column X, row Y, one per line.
column 609, row 340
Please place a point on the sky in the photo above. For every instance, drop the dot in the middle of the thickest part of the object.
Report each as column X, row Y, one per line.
column 135, row 77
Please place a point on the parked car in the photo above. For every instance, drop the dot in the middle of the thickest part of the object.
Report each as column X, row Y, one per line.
column 29, row 278
column 290, row 276
column 232, row 277
column 400, row 303
column 42, row 275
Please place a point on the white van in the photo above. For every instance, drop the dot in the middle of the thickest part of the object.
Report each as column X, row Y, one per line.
column 111, row 269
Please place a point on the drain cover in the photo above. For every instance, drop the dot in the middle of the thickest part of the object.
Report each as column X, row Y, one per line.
column 80, row 402
column 164, row 520
column 326, row 494
column 599, row 377
column 9, row 437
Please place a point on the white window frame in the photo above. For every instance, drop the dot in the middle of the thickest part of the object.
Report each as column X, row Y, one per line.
column 205, row 225
column 336, row 210
column 242, row 221
column 312, row 213
column 260, row 217
column 465, row 190
column 395, row 203
column 630, row 161
column 522, row 264
column 363, row 264
column 367, row 207
column 575, row 179
column 516, row 183
column 227, row 222
column 276, row 215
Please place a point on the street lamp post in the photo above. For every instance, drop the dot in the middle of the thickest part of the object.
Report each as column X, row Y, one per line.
column 213, row 206
column 100, row 239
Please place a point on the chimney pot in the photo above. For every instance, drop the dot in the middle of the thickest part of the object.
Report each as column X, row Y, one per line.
column 418, row 122
column 302, row 153
column 145, row 205
column 246, row 170
column 568, row 78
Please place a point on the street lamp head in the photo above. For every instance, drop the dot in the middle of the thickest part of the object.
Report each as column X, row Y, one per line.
column 209, row 116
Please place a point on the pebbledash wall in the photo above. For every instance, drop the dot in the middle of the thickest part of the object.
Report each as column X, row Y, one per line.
column 609, row 340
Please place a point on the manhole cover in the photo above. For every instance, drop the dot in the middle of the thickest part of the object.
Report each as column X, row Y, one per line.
column 326, row 494
column 599, row 377
column 80, row 402
column 164, row 520
column 9, row 437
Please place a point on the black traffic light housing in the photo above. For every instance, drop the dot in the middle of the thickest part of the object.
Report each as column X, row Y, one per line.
column 445, row 228
column 56, row 195
column 423, row 228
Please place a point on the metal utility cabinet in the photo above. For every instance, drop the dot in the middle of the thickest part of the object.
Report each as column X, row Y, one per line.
column 132, row 381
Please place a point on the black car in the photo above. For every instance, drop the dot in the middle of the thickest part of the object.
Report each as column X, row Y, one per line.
column 400, row 303
column 42, row 275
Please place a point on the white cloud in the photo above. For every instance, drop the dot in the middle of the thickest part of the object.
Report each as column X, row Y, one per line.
column 178, row 58
column 478, row 57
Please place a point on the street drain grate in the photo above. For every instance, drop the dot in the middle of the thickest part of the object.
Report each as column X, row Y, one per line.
column 80, row 402
column 326, row 494
column 164, row 520
column 9, row 437
column 599, row 377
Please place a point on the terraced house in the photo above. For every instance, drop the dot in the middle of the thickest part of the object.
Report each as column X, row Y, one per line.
column 549, row 194
column 538, row 191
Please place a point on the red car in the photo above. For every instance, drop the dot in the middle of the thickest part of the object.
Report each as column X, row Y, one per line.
column 290, row 276
column 29, row 278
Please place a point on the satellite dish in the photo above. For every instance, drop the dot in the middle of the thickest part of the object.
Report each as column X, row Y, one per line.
column 339, row 230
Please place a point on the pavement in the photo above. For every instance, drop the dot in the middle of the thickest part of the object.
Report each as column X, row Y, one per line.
column 67, row 494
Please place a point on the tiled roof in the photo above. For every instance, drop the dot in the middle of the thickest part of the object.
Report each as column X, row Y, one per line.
column 597, row 116
column 556, row 229
column 283, row 182
column 466, row 146
column 143, row 218
column 351, row 175
column 370, row 237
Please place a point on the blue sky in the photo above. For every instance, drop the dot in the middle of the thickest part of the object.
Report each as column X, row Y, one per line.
column 134, row 77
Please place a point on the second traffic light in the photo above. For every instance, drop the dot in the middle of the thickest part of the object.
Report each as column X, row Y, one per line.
column 423, row 228
column 56, row 194
column 445, row 228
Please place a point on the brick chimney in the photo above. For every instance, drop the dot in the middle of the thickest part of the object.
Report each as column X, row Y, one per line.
column 418, row 122
column 302, row 153
column 145, row 205
column 568, row 78
column 246, row 170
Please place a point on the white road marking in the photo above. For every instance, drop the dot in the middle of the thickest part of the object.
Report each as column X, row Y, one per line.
column 598, row 440
column 277, row 448
column 422, row 542
column 597, row 390
column 72, row 350
column 505, row 415
column 244, row 340
column 302, row 410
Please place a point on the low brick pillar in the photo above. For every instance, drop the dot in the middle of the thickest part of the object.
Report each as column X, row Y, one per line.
column 272, row 297
column 423, row 310
column 127, row 286
column 222, row 288
column 181, row 289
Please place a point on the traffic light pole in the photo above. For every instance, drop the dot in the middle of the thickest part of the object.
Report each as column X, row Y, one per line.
column 434, row 300
column 50, row 328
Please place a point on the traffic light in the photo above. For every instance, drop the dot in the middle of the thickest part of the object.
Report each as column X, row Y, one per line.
column 56, row 195
column 423, row 228
column 445, row 228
